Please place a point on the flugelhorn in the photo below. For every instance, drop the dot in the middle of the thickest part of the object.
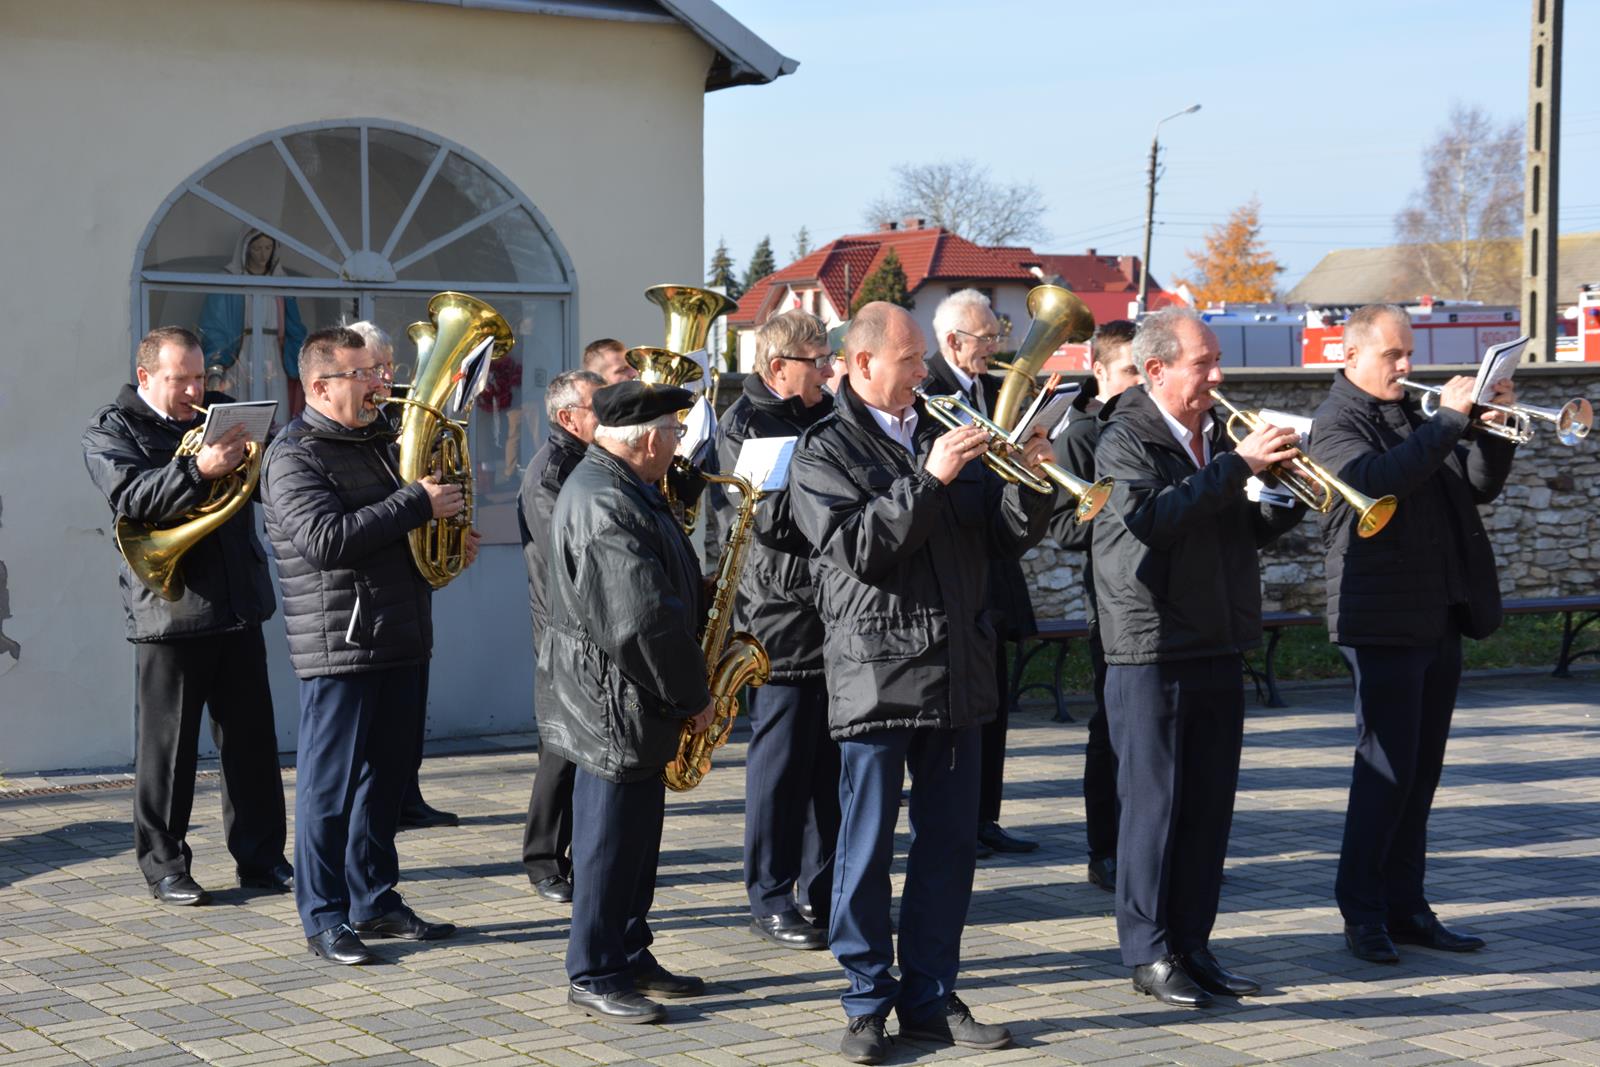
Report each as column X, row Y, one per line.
column 1311, row 483
column 1003, row 455
column 153, row 552
column 1571, row 420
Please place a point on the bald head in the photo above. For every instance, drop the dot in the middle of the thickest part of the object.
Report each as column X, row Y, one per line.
column 885, row 348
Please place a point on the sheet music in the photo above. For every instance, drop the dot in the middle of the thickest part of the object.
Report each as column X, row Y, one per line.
column 254, row 415
column 473, row 376
column 764, row 462
column 1499, row 365
column 1048, row 412
column 1255, row 489
column 701, row 425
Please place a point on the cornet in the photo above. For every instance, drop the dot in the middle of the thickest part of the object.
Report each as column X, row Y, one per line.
column 1003, row 453
column 1310, row 482
column 1572, row 419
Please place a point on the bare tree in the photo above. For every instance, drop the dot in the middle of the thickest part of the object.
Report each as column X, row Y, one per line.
column 960, row 196
column 1460, row 223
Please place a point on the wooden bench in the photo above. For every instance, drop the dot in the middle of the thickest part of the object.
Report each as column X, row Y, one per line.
column 1056, row 634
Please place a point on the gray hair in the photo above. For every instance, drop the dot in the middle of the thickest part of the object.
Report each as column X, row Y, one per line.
column 562, row 391
column 629, row 437
column 1158, row 337
column 786, row 334
column 953, row 309
column 1363, row 320
column 373, row 335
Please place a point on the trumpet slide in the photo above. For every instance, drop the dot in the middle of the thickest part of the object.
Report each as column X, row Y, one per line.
column 1311, row 483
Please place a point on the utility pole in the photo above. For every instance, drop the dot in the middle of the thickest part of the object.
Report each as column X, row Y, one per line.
column 1540, row 230
column 1150, row 204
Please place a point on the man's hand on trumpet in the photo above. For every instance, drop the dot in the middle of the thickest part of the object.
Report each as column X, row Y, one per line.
column 954, row 450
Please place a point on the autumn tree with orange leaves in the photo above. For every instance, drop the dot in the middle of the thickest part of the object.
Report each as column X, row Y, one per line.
column 1235, row 267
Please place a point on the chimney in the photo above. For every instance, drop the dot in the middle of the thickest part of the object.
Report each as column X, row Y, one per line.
column 913, row 222
column 1128, row 267
column 1089, row 252
column 886, row 225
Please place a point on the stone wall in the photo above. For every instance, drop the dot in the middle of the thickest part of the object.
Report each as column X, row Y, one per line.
column 1542, row 525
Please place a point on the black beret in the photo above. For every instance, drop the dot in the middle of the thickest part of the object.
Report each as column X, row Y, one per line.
column 635, row 403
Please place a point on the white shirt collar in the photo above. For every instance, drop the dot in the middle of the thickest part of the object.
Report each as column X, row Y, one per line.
column 961, row 376
column 146, row 397
column 1182, row 433
column 901, row 428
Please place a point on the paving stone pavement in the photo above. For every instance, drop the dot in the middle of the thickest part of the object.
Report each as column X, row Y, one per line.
column 93, row 971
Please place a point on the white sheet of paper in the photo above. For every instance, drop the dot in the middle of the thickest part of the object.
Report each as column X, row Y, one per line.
column 1499, row 365
column 254, row 415
column 701, row 424
column 1047, row 412
column 474, row 376
column 1255, row 489
column 764, row 462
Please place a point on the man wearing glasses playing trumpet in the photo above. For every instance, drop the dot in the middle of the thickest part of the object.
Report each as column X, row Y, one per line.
column 1398, row 605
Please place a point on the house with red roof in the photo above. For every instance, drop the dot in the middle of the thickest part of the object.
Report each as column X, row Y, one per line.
column 937, row 263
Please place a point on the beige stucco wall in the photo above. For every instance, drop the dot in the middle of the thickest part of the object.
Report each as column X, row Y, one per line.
column 111, row 105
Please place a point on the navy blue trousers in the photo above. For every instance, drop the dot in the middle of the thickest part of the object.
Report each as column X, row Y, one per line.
column 1404, row 701
column 616, row 845
column 357, row 743
column 939, row 865
column 1177, row 729
column 1100, row 810
column 992, row 743
column 791, row 789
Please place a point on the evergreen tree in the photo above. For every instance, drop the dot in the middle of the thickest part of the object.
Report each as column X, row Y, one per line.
column 761, row 264
column 720, row 273
column 802, row 243
column 888, row 283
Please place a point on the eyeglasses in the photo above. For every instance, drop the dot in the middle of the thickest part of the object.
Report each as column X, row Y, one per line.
column 817, row 362
column 361, row 374
column 680, row 429
column 990, row 339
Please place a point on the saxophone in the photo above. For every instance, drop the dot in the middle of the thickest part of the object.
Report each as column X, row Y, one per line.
column 732, row 660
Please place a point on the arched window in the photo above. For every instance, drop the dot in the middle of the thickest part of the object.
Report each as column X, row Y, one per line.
column 332, row 222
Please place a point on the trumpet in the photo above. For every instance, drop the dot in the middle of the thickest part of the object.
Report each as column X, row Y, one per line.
column 1572, row 419
column 1310, row 482
column 1002, row 457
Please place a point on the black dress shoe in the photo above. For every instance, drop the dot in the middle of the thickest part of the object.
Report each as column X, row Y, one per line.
column 407, row 925
column 1370, row 942
column 982, row 852
column 1103, row 873
column 1168, row 982
column 181, row 890
column 624, row 1006
column 865, row 1040
column 809, row 914
column 339, row 945
column 660, row 982
column 998, row 838
column 279, row 878
column 789, row 930
column 1209, row 975
column 956, row 1026
column 555, row 888
column 424, row 816
column 1425, row 929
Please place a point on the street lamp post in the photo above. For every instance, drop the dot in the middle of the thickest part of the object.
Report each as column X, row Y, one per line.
column 1150, row 205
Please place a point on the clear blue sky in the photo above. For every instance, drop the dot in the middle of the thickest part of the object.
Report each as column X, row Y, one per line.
column 1320, row 109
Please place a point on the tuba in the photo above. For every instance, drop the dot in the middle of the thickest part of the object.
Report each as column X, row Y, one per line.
column 431, row 441
column 689, row 312
column 732, row 660
column 153, row 552
column 1310, row 482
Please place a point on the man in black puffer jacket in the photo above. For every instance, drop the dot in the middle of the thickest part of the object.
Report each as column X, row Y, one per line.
column 360, row 624
column 547, row 833
column 202, row 650
column 1178, row 591
column 1398, row 604
column 903, row 518
column 624, row 671
column 791, row 778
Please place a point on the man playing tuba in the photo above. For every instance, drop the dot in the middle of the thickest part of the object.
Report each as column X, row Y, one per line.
column 202, row 650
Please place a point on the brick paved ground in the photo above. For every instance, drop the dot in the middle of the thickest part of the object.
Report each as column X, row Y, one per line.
column 91, row 970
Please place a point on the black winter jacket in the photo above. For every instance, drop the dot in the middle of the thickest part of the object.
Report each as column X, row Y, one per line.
column 1432, row 564
column 1074, row 449
column 1008, row 586
column 777, row 601
column 129, row 449
column 536, row 501
column 620, row 656
column 338, row 515
column 910, row 639
column 1176, row 572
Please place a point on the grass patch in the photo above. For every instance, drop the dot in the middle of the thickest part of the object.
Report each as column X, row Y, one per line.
column 1305, row 654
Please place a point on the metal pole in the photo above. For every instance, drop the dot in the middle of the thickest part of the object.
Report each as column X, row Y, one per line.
column 1150, row 204
column 1539, row 218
